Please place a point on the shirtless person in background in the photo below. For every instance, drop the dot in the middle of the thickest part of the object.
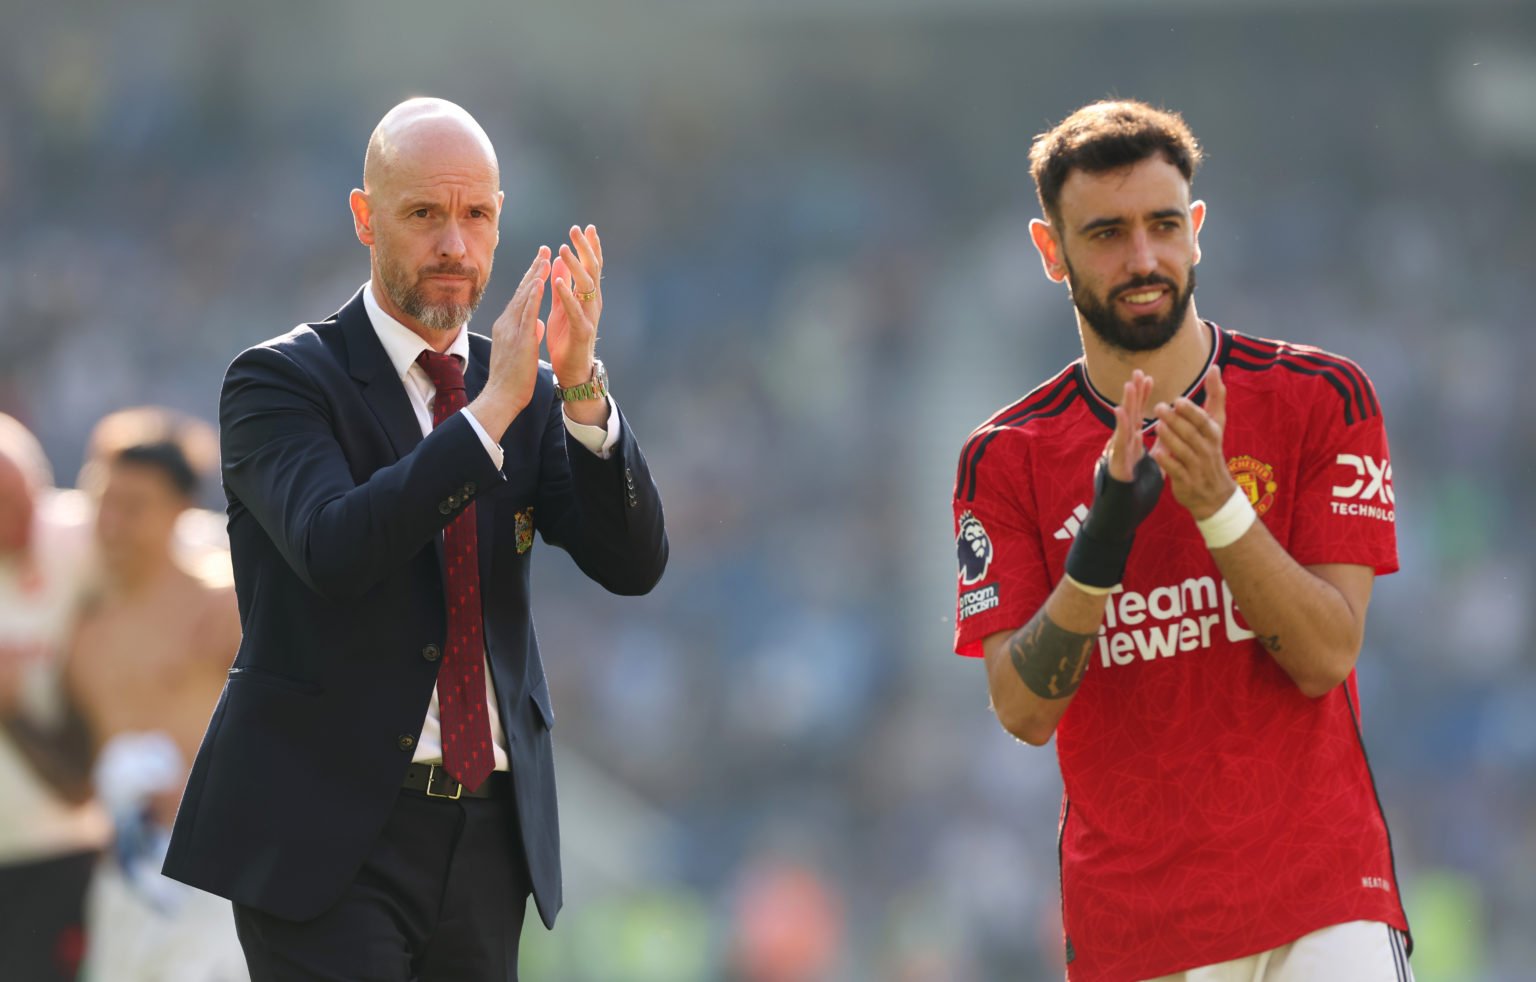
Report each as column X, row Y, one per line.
column 153, row 642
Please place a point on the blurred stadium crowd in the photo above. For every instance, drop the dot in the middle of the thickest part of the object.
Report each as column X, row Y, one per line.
column 819, row 280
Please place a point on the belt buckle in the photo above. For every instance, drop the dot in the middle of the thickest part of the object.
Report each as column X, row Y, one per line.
column 432, row 771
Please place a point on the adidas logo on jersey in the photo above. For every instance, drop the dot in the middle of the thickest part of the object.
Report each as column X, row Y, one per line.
column 1074, row 522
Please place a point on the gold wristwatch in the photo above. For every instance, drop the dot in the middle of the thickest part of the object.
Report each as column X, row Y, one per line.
column 593, row 388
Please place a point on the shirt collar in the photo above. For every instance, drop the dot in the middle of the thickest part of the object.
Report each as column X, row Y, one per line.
column 402, row 344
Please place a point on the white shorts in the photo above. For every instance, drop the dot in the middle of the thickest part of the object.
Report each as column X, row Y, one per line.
column 1359, row 951
column 160, row 931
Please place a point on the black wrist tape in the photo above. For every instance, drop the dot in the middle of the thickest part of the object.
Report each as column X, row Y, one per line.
column 1103, row 544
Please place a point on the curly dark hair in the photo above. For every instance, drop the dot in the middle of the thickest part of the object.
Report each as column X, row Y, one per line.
column 1106, row 136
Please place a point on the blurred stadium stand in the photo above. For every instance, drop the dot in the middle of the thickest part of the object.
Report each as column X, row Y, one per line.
column 815, row 217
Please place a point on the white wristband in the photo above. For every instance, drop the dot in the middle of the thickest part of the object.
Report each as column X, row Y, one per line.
column 1230, row 521
column 1092, row 591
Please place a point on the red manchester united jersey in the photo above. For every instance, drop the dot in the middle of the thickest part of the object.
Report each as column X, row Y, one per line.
column 1211, row 810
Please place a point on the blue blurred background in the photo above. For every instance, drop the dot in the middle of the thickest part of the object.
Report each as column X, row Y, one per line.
column 819, row 280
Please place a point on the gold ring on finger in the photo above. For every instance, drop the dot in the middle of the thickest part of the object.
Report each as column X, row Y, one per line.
column 587, row 297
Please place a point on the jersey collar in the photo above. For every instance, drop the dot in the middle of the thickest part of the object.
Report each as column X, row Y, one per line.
column 1104, row 408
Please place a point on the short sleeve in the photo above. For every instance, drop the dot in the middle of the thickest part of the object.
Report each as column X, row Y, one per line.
column 1001, row 576
column 1346, row 506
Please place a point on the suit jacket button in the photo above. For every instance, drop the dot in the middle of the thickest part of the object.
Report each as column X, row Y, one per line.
column 406, row 741
column 445, row 507
column 431, row 652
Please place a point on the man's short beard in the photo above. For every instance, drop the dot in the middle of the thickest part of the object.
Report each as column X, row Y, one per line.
column 411, row 298
column 1145, row 333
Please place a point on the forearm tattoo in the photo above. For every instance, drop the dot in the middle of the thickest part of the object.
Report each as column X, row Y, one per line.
column 1050, row 660
column 1271, row 642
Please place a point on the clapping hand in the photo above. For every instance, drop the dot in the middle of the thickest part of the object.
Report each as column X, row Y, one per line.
column 576, row 304
column 1125, row 447
column 514, row 366
column 1189, row 448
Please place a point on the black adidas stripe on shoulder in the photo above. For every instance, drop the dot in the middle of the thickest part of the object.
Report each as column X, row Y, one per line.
column 1361, row 396
column 1050, row 399
column 1344, row 376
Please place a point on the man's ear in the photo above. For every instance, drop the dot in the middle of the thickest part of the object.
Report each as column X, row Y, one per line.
column 1196, row 220
column 362, row 215
column 1051, row 256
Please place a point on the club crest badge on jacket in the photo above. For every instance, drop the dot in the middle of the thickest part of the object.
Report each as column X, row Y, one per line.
column 524, row 530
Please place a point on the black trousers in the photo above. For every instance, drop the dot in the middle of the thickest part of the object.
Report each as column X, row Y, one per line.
column 440, row 898
column 42, row 912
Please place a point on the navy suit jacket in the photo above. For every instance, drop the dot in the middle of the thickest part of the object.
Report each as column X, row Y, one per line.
column 336, row 502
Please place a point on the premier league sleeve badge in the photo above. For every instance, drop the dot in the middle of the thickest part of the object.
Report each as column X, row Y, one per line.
column 974, row 550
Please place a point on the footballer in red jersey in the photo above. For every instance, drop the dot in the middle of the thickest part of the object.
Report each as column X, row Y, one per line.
column 1165, row 558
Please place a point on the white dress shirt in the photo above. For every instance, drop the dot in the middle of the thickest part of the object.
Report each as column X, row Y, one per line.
column 404, row 346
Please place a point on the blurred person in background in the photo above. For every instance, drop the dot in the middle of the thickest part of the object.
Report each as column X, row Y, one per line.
column 200, row 542
column 48, row 845
column 143, row 667
column 1219, row 820
column 788, row 923
column 376, row 789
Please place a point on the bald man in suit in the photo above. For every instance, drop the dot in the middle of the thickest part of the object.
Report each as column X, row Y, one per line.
column 375, row 791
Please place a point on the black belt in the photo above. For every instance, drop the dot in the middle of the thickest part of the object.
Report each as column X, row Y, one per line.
column 434, row 782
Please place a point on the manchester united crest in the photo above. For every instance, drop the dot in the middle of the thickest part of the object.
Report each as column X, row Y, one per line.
column 525, row 530
column 1257, row 479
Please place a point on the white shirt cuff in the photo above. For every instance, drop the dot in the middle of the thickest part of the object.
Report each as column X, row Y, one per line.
column 600, row 440
column 491, row 446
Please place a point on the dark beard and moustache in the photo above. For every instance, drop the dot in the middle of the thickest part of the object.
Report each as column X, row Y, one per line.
column 411, row 298
column 1145, row 333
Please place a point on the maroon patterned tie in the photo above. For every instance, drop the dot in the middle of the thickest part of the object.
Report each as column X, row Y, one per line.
column 466, row 730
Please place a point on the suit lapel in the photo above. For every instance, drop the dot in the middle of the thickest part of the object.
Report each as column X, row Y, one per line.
column 381, row 388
